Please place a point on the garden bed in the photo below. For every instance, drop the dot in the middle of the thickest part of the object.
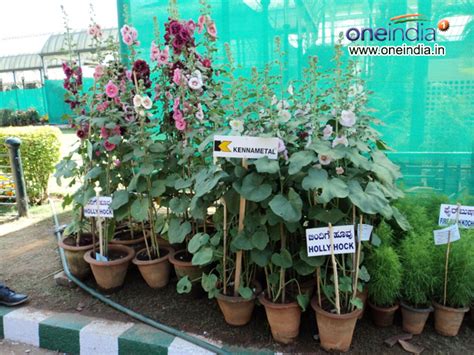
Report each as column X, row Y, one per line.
column 31, row 268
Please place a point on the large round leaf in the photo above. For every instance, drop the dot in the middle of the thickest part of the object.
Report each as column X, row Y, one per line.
column 253, row 188
column 287, row 208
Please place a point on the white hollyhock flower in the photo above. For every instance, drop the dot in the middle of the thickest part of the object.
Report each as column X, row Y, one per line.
column 283, row 104
column 195, row 83
column 340, row 140
column 325, row 159
column 199, row 114
column 146, row 102
column 274, row 100
column 339, row 170
column 237, row 125
column 348, row 118
column 284, row 115
column 327, row 132
column 137, row 101
column 290, row 89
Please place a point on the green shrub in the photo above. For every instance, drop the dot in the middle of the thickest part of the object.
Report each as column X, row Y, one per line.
column 385, row 272
column 460, row 290
column 385, row 233
column 19, row 118
column 416, row 214
column 416, row 255
column 40, row 151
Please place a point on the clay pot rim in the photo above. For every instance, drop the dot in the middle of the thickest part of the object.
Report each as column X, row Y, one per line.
column 416, row 310
column 267, row 303
column 65, row 246
column 130, row 254
column 175, row 261
column 450, row 309
column 234, row 299
column 154, row 261
column 384, row 309
column 317, row 309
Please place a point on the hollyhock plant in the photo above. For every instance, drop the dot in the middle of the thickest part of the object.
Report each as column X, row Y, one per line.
column 347, row 119
column 111, row 89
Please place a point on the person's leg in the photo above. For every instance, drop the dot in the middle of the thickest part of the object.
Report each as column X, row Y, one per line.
column 11, row 298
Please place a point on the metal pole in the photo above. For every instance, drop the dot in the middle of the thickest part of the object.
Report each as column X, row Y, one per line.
column 13, row 145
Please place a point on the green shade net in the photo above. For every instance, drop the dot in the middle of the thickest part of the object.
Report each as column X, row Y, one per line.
column 427, row 103
column 19, row 99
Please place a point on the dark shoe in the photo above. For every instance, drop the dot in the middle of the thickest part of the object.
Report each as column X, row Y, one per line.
column 11, row 298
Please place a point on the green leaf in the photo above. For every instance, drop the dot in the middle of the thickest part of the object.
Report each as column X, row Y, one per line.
column 146, row 169
column 303, row 301
column 179, row 205
column 93, row 173
column 89, row 150
column 203, row 187
column 364, row 274
column 183, row 184
column 260, row 257
column 184, row 285
column 375, row 240
column 203, row 256
column 299, row 160
column 241, row 242
column 265, row 165
column 245, row 292
column 282, row 259
column 401, row 220
column 253, row 188
column 157, row 148
column 197, row 241
column 333, row 188
column 303, row 268
column 178, row 231
column 209, row 284
column 371, row 201
column 120, row 198
column 139, row 209
column 158, row 188
column 345, row 284
column 314, row 261
column 288, row 209
column 260, row 239
column 333, row 215
column 316, row 179
column 357, row 302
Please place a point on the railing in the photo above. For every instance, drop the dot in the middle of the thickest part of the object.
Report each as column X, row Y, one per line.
column 12, row 181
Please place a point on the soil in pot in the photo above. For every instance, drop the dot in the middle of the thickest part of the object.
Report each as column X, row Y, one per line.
column 284, row 319
column 156, row 271
column 75, row 254
column 110, row 274
column 237, row 310
column 135, row 240
column 382, row 316
column 448, row 320
column 181, row 261
column 335, row 330
column 414, row 319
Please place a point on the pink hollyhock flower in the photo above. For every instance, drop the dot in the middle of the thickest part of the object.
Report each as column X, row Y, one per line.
column 109, row 146
column 164, row 56
column 180, row 124
column 175, row 103
column 104, row 133
column 168, row 95
column 281, row 145
column 98, row 72
column 199, row 114
column 128, row 74
column 97, row 153
column 327, row 132
column 111, row 89
column 177, row 115
column 177, row 76
column 117, row 101
column 340, row 140
column 127, row 39
column 201, row 22
column 206, row 62
column 212, row 29
column 117, row 130
column 134, row 33
column 339, row 170
column 103, row 106
column 154, row 52
column 117, row 163
column 347, row 119
column 191, row 26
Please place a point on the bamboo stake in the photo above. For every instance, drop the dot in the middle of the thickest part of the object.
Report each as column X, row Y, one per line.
column 238, row 256
column 318, row 286
column 334, row 269
column 224, row 261
column 359, row 247
column 99, row 222
column 355, row 227
column 447, row 259
column 282, row 270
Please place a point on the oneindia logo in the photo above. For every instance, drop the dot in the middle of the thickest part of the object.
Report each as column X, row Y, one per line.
column 407, row 28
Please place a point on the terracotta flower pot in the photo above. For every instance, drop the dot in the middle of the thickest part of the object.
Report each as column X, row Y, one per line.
column 156, row 272
column 110, row 275
column 448, row 320
column 236, row 310
column 75, row 254
column 363, row 296
column 124, row 237
column 335, row 330
column 284, row 319
column 414, row 319
column 183, row 267
column 382, row 316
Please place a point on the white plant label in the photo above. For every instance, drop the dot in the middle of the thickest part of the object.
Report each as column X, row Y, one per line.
column 448, row 213
column 100, row 208
column 318, row 241
column 245, row 147
column 441, row 236
column 365, row 232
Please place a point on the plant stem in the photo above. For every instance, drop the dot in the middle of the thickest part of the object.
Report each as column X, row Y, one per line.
column 334, row 269
column 282, row 270
column 357, row 259
column 224, row 264
column 238, row 256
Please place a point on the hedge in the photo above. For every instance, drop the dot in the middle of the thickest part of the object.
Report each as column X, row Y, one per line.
column 21, row 118
column 40, row 151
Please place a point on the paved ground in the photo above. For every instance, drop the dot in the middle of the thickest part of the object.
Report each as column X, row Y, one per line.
column 12, row 348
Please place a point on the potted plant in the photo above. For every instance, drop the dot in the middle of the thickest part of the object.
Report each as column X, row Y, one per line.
column 385, row 271
column 452, row 298
column 416, row 255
